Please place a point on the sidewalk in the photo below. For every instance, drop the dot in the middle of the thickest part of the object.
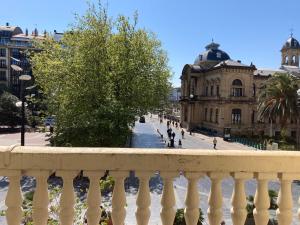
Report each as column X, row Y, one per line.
column 196, row 140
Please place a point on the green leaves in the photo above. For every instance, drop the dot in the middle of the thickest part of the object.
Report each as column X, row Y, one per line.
column 101, row 75
column 279, row 98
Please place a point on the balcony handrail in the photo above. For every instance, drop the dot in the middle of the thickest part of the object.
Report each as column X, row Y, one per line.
column 124, row 159
column 40, row 162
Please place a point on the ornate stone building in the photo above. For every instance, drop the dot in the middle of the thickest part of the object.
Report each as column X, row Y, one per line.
column 13, row 58
column 218, row 92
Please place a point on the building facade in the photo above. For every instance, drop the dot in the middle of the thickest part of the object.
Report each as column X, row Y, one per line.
column 218, row 92
column 13, row 56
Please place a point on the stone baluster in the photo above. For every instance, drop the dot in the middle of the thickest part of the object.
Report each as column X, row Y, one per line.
column 298, row 212
column 168, row 202
column 40, row 197
column 94, row 197
column 192, row 200
column 215, row 201
column 261, row 199
column 67, row 199
column 284, row 200
column 238, row 200
column 14, row 199
column 119, row 198
column 143, row 200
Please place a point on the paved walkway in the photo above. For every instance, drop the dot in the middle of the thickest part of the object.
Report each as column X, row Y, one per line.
column 196, row 140
column 31, row 139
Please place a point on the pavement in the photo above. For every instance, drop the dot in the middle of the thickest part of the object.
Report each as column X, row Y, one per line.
column 31, row 139
column 194, row 141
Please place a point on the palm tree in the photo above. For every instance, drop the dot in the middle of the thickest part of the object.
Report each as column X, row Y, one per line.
column 278, row 99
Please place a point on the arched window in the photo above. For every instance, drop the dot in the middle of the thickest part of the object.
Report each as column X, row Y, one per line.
column 293, row 59
column 237, row 88
column 237, row 82
column 236, row 116
column 254, row 90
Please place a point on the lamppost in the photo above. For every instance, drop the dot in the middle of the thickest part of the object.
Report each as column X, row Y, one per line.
column 23, row 78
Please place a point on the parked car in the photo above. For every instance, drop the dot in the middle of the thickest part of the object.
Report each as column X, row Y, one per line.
column 142, row 119
column 49, row 121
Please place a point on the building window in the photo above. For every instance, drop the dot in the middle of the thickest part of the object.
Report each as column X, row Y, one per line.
column 237, row 88
column 2, row 75
column 254, row 90
column 2, row 63
column 293, row 60
column 218, row 90
column 286, row 60
column 210, row 115
column 236, row 116
column 205, row 114
column 293, row 134
column 211, row 90
column 217, row 116
column 2, row 52
column 185, row 113
column 253, row 117
column 206, row 91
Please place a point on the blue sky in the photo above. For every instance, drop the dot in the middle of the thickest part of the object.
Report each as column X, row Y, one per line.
column 248, row 30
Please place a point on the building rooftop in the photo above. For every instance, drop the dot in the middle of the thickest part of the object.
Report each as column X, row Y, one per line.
column 212, row 53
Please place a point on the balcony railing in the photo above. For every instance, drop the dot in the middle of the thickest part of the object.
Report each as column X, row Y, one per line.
column 194, row 164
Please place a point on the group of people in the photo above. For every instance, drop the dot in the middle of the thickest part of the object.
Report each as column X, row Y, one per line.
column 171, row 133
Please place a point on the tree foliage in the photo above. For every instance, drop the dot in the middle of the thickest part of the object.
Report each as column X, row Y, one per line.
column 102, row 74
column 9, row 113
column 278, row 98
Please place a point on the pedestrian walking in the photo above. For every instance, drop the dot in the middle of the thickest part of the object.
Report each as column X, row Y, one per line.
column 223, row 222
column 182, row 133
column 172, row 143
column 176, row 125
column 173, row 135
column 179, row 144
column 191, row 132
column 215, row 142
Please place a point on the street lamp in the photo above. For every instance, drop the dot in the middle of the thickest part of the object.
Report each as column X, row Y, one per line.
column 23, row 78
column 191, row 96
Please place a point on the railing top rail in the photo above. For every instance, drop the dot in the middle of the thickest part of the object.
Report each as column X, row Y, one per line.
column 196, row 160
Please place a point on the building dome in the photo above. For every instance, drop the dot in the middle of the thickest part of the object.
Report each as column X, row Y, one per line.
column 291, row 43
column 212, row 53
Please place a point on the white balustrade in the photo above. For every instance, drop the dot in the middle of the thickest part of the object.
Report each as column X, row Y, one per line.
column 261, row 198
column 238, row 200
column 37, row 161
column 93, row 213
column 168, row 202
column 191, row 212
column 13, row 199
column 143, row 200
column 215, row 198
column 284, row 200
column 40, row 197
column 119, row 198
column 67, row 199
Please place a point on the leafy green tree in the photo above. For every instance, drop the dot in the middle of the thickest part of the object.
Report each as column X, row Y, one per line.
column 179, row 217
column 9, row 113
column 278, row 98
column 99, row 77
